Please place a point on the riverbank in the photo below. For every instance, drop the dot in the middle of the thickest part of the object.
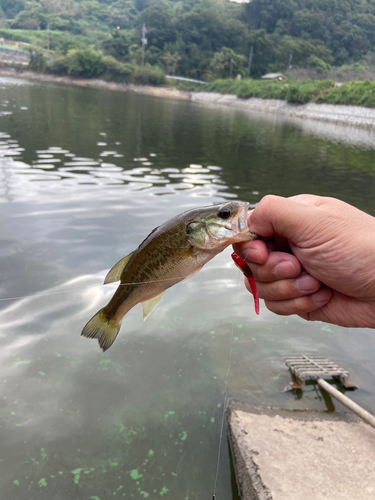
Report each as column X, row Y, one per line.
column 333, row 113
column 356, row 116
column 97, row 84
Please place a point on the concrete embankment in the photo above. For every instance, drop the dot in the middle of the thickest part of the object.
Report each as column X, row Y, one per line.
column 285, row 455
column 345, row 115
column 356, row 116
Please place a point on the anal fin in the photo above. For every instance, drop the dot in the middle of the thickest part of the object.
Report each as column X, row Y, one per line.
column 149, row 305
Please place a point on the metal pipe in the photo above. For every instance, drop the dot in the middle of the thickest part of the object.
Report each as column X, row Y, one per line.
column 358, row 410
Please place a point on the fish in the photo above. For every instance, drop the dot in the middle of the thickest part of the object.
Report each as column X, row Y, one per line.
column 173, row 252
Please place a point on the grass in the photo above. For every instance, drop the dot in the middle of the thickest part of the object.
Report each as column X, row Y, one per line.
column 297, row 92
column 352, row 93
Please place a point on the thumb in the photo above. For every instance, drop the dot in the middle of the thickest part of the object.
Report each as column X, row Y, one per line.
column 287, row 217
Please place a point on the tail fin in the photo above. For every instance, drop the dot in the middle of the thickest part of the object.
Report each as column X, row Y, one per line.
column 101, row 327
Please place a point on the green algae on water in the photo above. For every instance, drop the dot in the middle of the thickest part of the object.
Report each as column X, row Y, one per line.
column 134, row 474
column 42, row 483
column 77, row 473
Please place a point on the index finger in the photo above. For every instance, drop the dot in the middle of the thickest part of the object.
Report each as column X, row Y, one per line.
column 291, row 218
column 252, row 251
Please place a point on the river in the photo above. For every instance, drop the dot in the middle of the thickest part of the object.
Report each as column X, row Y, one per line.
column 85, row 175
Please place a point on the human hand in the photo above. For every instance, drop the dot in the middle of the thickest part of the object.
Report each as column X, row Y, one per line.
column 317, row 259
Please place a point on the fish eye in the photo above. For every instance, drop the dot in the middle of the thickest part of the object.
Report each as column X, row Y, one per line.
column 224, row 213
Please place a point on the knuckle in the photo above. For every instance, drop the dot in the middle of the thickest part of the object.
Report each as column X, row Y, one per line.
column 277, row 290
column 267, row 200
column 300, row 306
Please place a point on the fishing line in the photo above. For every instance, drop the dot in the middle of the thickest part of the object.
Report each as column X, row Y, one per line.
column 46, row 294
column 225, row 393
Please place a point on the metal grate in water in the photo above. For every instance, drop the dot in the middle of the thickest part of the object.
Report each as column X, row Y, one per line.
column 313, row 366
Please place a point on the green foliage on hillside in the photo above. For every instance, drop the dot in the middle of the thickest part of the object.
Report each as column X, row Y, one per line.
column 204, row 39
column 88, row 63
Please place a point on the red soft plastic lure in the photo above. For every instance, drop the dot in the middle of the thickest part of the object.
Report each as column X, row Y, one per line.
column 241, row 264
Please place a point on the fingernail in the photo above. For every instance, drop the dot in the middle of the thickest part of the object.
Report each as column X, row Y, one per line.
column 322, row 296
column 252, row 255
column 285, row 269
column 306, row 283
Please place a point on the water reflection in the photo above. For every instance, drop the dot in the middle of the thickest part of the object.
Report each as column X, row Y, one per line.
column 55, row 163
column 84, row 177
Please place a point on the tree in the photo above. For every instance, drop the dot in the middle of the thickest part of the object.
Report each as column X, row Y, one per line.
column 301, row 51
column 264, row 51
column 3, row 21
column 308, row 25
column 59, row 6
column 87, row 63
column 264, row 14
column 160, row 29
column 350, row 37
column 33, row 17
column 117, row 45
column 170, row 61
column 226, row 63
column 12, row 7
column 189, row 34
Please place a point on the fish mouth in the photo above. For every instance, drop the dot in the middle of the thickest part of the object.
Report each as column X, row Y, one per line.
column 242, row 217
column 240, row 227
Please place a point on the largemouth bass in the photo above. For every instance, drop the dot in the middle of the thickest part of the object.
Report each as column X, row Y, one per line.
column 172, row 252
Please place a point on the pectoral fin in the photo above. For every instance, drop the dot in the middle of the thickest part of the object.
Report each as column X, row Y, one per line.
column 116, row 272
column 149, row 305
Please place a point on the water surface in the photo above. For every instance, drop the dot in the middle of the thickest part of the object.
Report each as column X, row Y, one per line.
column 85, row 175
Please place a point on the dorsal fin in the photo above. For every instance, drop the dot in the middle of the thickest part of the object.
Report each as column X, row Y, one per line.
column 115, row 273
column 149, row 305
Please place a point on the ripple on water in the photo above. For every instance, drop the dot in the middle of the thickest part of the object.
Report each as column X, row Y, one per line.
column 58, row 165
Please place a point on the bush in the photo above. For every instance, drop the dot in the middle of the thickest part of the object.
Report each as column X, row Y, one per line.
column 317, row 63
column 148, row 76
column 86, row 63
column 309, row 90
column 59, row 66
column 115, row 70
column 89, row 63
column 58, row 23
column 37, row 61
column 351, row 94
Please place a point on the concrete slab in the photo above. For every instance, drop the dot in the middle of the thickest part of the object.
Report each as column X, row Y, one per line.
column 302, row 456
